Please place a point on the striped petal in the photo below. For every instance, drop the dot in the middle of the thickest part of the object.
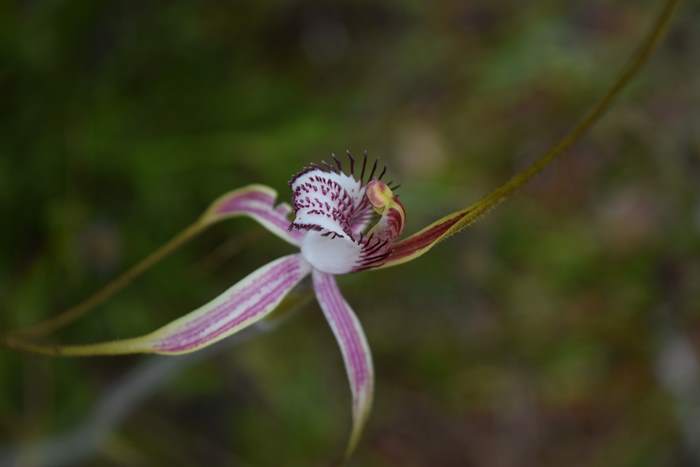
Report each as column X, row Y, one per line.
column 258, row 203
column 247, row 302
column 353, row 345
column 423, row 241
column 254, row 201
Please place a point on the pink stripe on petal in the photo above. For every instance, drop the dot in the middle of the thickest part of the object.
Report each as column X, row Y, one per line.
column 274, row 218
column 235, row 202
column 222, row 313
column 262, row 306
column 245, row 303
column 354, row 348
column 258, row 203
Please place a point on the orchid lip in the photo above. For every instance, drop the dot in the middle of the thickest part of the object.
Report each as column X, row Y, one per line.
column 338, row 167
column 337, row 208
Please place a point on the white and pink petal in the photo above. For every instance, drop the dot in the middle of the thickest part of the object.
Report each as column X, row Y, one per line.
column 242, row 305
column 258, row 203
column 354, row 348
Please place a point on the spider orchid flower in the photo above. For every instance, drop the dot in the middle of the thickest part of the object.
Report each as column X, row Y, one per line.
column 343, row 222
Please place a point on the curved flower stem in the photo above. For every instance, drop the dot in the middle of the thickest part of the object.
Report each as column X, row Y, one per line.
column 419, row 243
column 71, row 314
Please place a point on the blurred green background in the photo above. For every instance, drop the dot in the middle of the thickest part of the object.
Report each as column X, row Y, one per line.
column 562, row 329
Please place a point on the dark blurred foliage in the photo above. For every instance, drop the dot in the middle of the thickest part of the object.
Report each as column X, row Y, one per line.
column 535, row 338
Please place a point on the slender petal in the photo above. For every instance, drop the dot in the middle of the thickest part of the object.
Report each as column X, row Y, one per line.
column 254, row 201
column 353, row 345
column 245, row 303
column 258, row 203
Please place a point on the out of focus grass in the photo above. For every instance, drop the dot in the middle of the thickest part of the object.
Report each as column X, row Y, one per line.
column 531, row 339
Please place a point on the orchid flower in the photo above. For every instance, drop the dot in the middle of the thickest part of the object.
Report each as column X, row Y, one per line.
column 346, row 219
column 343, row 222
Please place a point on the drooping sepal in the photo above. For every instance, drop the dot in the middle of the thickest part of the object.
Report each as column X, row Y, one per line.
column 246, row 303
column 354, row 348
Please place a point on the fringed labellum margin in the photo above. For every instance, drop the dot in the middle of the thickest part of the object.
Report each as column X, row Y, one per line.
column 337, row 212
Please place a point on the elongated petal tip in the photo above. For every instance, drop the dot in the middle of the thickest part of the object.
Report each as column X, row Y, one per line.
column 421, row 242
column 354, row 348
column 246, row 303
column 254, row 201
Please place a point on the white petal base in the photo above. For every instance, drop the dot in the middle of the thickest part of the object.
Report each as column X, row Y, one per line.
column 332, row 255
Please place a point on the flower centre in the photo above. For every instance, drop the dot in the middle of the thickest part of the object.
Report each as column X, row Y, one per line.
column 337, row 209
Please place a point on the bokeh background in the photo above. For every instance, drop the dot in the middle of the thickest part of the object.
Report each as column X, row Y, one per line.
column 562, row 329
